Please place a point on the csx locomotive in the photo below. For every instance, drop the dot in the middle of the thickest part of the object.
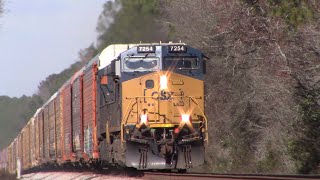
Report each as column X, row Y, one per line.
column 147, row 112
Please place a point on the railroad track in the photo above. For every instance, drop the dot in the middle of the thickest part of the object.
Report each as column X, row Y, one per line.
column 193, row 176
column 114, row 173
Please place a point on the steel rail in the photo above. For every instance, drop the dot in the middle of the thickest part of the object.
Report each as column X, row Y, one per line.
column 198, row 176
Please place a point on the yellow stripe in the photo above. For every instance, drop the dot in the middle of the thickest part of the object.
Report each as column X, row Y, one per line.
column 161, row 125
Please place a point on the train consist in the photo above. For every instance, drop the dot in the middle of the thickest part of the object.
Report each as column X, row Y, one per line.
column 134, row 105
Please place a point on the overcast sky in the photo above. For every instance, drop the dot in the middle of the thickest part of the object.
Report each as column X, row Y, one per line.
column 41, row 37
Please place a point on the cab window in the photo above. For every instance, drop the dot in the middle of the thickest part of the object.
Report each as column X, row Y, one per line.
column 141, row 64
column 181, row 62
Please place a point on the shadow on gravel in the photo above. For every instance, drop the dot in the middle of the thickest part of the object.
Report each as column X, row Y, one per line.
column 108, row 170
column 129, row 172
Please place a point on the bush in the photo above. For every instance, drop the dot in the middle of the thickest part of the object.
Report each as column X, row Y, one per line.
column 305, row 148
column 295, row 12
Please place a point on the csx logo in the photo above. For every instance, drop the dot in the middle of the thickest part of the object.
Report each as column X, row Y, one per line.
column 163, row 95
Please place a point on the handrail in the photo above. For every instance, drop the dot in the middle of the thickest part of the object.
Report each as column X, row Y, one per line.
column 205, row 118
column 122, row 121
column 193, row 98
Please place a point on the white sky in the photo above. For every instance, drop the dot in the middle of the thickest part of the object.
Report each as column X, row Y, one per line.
column 42, row 37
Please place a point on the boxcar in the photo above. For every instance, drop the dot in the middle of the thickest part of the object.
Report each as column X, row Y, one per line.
column 14, row 155
column 26, row 147
column 46, row 132
column 4, row 159
column 77, row 122
column 67, row 121
column 58, row 133
column 36, row 138
column 32, row 142
column 52, row 128
column 89, row 111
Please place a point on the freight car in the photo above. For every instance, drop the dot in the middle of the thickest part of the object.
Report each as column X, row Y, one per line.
column 4, row 159
column 134, row 105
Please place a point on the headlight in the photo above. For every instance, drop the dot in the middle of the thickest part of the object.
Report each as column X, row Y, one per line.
column 163, row 82
column 185, row 118
column 143, row 119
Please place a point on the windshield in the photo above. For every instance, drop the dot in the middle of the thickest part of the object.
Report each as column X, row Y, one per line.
column 181, row 62
column 141, row 64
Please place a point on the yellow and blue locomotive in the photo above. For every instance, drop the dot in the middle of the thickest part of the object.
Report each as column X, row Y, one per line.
column 151, row 107
column 134, row 105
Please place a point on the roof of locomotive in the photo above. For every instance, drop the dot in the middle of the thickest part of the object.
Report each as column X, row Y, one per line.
column 113, row 51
